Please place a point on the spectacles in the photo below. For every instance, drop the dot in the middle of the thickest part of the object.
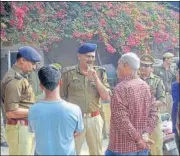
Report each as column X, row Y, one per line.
column 146, row 65
column 34, row 63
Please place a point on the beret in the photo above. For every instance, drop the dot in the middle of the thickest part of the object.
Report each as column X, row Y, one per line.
column 87, row 47
column 29, row 54
column 168, row 55
column 147, row 59
column 49, row 77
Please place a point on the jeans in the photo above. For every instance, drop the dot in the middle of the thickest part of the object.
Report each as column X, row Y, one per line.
column 143, row 152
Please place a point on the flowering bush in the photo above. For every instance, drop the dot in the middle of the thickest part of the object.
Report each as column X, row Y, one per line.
column 121, row 26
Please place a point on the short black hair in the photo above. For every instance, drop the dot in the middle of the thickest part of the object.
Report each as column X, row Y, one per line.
column 49, row 77
column 18, row 56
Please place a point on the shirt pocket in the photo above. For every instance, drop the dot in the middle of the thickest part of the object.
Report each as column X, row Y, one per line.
column 27, row 94
column 75, row 85
column 161, row 74
column 93, row 89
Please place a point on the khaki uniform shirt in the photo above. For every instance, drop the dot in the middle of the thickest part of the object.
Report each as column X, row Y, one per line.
column 157, row 87
column 16, row 90
column 167, row 76
column 81, row 91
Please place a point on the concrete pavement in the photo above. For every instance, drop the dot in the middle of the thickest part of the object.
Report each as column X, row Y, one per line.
column 85, row 150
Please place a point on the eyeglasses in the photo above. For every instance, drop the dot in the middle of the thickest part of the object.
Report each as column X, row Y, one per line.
column 146, row 65
column 33, row 63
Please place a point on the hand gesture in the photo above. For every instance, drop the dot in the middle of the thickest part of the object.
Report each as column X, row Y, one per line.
column 153, row 91
column 91, row 73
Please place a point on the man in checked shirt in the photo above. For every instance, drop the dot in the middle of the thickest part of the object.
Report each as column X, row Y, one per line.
column 133, row 111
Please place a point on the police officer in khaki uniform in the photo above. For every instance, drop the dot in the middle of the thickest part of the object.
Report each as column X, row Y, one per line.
column 17, row 95
column 84, row 84
column 158, row 90
column 167, row 75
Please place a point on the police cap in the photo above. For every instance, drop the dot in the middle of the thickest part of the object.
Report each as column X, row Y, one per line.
column 29, row 54
column 147, row 59
column 49, row 77
column 87, row 48
column 168, row 55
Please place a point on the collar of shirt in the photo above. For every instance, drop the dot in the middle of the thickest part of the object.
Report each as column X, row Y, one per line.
column 78, row 69
column 150, row 76
column 16, row 68
column 129, row 77
column 168, row 69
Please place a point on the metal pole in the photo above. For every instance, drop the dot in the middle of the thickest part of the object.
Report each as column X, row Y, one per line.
column 9, row 60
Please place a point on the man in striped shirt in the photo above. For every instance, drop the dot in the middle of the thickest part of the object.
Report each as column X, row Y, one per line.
column 133, row 112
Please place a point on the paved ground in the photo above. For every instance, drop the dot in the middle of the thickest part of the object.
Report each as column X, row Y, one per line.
column 85, row 148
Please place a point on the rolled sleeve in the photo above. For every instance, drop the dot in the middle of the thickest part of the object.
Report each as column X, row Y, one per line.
column 104, row 80
column 153, row 115
column 64, row 87
column 160, row 92
column 12, row 96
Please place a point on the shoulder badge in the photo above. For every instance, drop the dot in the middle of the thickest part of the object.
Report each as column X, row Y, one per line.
column 18, row 76
column 67, row 69
column 99, row 68
column 156, row 76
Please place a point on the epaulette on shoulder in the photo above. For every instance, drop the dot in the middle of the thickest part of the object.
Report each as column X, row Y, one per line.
column 18, row 76
column 67, row 69
column 99, row 68
column 156, row 76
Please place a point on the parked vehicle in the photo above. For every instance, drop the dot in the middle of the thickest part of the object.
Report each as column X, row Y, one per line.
column 169, row 142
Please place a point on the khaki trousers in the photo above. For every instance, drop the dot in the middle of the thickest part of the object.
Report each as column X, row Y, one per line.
column 93, row 133
column 168, row 108
column 157, row 136
column 4, row 150
column 169, row 103
column 20, row 140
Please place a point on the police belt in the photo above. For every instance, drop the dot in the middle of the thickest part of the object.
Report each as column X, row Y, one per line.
column 92, row 114
column 17, row 121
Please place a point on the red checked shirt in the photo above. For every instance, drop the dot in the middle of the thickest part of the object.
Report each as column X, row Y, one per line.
column 132, row 113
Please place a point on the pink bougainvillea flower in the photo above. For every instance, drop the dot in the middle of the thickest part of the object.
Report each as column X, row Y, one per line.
column 20, row 24
column 133, row 40
column 76, row 34
column 25, row 8
column 158, row 40
column 110, row 48
column 88, row 14
column 46, row 49
column 34, row 35
column 156, row 34
column 139, row 27
column 83, row 3
column 89, row 35
column 102, row 22
column 19, row 12
column 23, row 38
column 126, row 49
column 12, row 22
